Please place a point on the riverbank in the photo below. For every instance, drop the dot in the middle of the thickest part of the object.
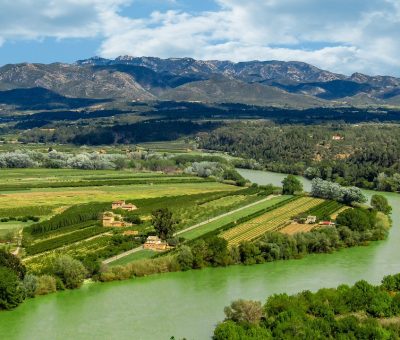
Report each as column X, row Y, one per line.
column 141, row 308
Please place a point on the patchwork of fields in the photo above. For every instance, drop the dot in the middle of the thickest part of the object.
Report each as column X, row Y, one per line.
column 270, row 221
column 76, row 232
column 243, row 214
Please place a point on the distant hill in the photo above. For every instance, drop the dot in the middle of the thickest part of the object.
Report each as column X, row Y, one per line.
column 39, row 98
column 224, row 90
column 278, row 83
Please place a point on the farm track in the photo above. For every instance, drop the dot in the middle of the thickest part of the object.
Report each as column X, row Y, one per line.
column 270, row 221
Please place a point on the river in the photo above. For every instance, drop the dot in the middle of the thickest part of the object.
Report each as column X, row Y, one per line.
column 189, row 304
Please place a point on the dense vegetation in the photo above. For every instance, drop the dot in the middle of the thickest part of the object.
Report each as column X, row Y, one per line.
column 147, row 131
column 355, row 312
column 205, row 166
column 366, row 155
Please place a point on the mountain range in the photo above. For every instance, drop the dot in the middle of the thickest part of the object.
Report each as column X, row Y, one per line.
column 264, row 83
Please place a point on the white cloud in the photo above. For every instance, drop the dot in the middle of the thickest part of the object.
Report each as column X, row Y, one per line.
column 37, row 19
column 350, row 36
column 339, row 35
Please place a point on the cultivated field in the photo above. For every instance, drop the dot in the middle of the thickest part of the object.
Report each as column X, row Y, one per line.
column 215, row 225
column 270, row 221
column 76, row 231
column 295, row 228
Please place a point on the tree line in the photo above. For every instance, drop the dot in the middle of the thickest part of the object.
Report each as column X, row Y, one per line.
column 366, row 155
column 345, row 312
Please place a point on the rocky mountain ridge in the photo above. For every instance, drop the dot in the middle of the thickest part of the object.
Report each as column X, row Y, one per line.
column 276, row 83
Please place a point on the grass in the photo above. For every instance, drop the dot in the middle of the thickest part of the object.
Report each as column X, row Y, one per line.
column 140, row 255
column 197, row 232
column 6, row 227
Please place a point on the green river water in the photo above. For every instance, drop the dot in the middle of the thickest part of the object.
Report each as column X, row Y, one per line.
column 189, row 304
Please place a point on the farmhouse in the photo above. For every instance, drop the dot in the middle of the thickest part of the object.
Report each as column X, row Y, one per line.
column 311, row 220
column 155, row 243
column 109, row 219
column 122, row 205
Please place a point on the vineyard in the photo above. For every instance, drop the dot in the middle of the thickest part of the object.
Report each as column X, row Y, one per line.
column 63, row 240
column 270, row 221
column 325, row 209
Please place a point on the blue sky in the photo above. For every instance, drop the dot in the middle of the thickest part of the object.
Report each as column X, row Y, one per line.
column 343, row 36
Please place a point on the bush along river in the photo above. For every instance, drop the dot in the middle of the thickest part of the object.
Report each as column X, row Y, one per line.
column 188, row 304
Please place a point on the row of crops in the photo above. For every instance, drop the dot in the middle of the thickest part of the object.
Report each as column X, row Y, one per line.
column 63, row 240
column 325, row 209
column 73, row 215
column 270, row 221
column 97, row 183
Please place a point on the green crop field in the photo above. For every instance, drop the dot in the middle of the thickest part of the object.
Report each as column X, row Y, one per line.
column 140, row 255
column 7, row 227
column 269, row 221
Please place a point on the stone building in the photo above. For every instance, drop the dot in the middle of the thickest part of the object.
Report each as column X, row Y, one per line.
column 122, row 205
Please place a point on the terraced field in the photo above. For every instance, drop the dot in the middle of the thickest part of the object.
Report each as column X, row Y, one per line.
column 270, row 221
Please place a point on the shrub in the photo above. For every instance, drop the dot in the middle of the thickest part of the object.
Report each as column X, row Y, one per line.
column 244, row 311
column 70, row 271
column 185, row 258
column 30, row 284
column 46, row 284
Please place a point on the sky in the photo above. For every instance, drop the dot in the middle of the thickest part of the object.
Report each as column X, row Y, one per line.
column 343, row 36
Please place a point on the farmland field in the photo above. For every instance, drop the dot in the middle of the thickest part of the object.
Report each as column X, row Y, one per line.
column 55, row 197
column 140, row 255
column 295, row 228
column 195, row 233
column 10, row 226
column 269, row 221
column 74, row 229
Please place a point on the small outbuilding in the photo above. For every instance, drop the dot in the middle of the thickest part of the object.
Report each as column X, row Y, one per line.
column 122, row 205
column 327, row 223
column 109, row 219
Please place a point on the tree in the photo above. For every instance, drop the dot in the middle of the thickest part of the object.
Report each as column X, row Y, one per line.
column 334, row 191
column 11, row 291
column 164, row 223
column 356, row 219
column 291, row 185
column 244, row 311
column 70, row 271
column 185, row 258
column 353, row 194
column 12, row 262
column 380, row 203
column 218, row 254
